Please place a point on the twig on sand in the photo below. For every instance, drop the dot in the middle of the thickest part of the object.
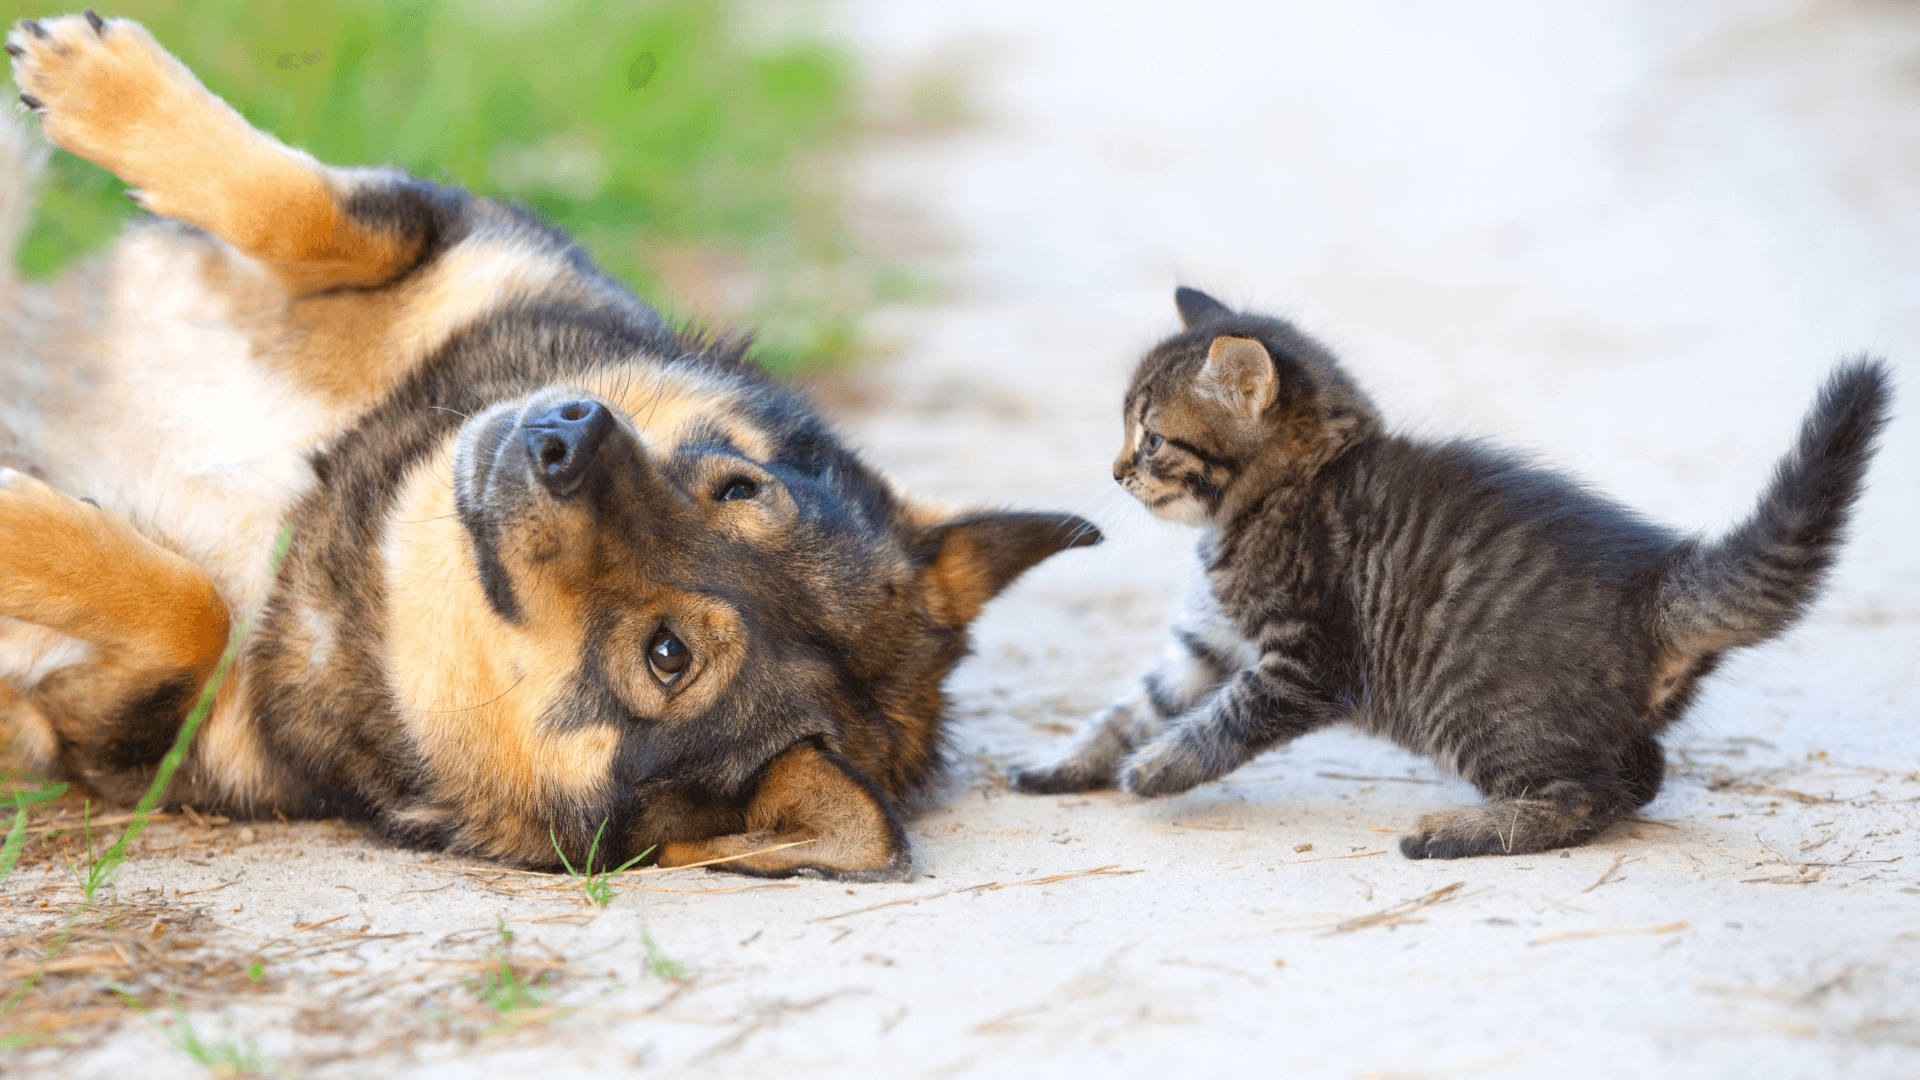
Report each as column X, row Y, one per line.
column 991, row 886
column 1663, row 928
column 1377, row 779
column 1330, row 858
column 1110, row 870
column 1397, row 914
column 300, row 928
column 1618, row 862
column 888, row 904
column 103, row 822
column 615, row 877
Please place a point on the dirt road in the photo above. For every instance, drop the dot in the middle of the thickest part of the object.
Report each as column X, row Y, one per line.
column 1629, row 237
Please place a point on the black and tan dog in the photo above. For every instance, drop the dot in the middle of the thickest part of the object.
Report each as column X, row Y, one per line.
column 552, row 563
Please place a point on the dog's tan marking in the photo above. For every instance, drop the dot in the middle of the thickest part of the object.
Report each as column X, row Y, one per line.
column 229, row 765
column 121, row 101
column 665, row 405
column 353, row 347
column 802, row 796
column 472, row 688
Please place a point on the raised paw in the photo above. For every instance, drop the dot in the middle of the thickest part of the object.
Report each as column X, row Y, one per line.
column 106, row 91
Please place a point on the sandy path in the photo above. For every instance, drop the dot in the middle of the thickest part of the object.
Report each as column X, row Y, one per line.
column 1629, row 239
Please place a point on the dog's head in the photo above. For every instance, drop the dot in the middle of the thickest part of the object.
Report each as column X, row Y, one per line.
column 666, row 599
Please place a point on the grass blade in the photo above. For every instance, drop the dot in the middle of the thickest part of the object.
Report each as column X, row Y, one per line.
column 17, row 835
column 117, row 854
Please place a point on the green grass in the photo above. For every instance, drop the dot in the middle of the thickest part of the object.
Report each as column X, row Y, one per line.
column 221, row 1057
column 657, row 964
column 532, row 102
column 17, row 834
column 593, row 883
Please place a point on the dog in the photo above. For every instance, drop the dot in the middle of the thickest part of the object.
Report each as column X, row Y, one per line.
column 557, row 579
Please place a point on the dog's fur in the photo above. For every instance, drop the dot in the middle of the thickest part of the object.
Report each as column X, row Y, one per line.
column 553, row 565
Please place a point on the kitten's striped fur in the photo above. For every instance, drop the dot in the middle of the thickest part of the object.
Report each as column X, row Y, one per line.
column 1497, row 617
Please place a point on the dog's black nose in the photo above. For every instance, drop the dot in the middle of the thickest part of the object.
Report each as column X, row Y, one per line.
column 562, row 442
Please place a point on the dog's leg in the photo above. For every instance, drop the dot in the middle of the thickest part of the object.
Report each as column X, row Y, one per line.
column 151, row 629
column 837, row 826
column 106, row 91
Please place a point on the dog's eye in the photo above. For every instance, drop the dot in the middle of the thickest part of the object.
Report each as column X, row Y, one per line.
column 1153, row 442
column 738, row 487
column 667, row 656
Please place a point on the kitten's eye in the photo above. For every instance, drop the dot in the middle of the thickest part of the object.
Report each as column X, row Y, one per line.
column 667, row 656
column 738, row 487
column 1153, row 442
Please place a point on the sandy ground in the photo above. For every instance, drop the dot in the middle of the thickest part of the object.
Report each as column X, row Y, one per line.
column 1630, row 235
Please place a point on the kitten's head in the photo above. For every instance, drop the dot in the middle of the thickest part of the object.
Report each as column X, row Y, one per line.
column 1232, row 400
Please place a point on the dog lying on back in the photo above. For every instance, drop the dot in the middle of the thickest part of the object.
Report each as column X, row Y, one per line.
column 553, row 566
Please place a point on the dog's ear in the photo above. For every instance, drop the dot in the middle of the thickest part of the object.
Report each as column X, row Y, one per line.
column 970, row 559
column 810, row 814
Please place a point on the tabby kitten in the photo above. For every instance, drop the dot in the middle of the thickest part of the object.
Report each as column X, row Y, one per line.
column 1500, row 618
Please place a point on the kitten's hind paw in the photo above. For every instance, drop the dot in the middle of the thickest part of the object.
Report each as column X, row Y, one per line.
column 1507, row 827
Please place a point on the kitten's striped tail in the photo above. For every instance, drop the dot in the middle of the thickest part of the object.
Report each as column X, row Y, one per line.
column 1759, row 579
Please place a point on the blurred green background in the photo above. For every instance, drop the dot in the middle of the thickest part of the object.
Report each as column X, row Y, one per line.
column 710, row 189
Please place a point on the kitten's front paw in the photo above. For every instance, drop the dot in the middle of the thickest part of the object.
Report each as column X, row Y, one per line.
column 1165, row 766
column 1059, row 778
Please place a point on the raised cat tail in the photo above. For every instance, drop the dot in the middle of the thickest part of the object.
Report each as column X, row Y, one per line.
column 1756, row 581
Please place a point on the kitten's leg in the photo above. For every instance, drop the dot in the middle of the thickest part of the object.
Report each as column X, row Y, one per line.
column 1205, row 649
column 1529, row 813
column 106, row 91
column 146, row 626
column 1271, row 702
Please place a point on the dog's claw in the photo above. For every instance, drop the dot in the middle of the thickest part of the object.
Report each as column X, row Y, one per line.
column 32, row 102
column 94, row 20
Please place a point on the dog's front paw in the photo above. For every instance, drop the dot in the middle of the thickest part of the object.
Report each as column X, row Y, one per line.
column 96, row 84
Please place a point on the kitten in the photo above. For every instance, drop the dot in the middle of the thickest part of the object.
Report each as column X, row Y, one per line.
column 1499, row 618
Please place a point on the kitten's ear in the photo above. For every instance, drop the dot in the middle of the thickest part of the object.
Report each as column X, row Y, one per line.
column 1196, row 306
column 1239, row 374
column 970, row 559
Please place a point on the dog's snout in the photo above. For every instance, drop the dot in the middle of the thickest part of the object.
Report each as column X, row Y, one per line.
column 562, row 441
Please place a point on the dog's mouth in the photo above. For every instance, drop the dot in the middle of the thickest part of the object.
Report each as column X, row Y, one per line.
column 478, row 460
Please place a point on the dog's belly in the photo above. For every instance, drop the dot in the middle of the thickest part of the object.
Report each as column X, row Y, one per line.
column 176, row 422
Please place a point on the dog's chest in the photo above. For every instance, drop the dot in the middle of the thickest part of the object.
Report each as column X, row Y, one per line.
column 177, row 423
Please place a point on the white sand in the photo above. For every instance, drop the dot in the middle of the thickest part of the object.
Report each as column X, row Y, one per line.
column 1630, row 236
